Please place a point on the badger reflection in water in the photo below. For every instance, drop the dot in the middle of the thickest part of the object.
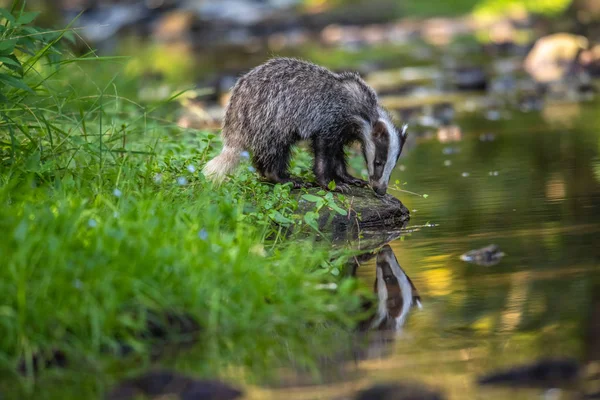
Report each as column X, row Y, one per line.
column 396, row 294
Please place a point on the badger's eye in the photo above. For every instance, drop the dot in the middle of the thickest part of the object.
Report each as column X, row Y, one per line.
column 378, row 163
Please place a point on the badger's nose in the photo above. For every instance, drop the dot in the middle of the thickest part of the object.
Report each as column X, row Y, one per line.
column 379, row 189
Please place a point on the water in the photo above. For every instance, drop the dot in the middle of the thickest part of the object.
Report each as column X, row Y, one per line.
column 533, row 189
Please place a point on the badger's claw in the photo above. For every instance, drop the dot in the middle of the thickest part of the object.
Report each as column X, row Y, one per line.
column 342, row 187
column 356, row 182
column 299, row 183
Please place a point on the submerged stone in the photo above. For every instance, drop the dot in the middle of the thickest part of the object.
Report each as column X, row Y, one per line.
column 546, row 373
column 158, row 384
column 399, row 391
column 485, row 256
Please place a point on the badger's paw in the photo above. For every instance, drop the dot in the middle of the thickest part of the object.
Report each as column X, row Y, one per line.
column 350, row 180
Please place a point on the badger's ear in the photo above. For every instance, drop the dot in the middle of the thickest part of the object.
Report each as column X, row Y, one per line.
column 380, row 130
column 403, row 132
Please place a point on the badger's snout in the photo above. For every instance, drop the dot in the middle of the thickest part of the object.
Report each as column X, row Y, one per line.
column 379, row 189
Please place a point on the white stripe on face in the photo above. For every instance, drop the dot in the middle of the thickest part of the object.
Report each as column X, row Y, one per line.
column 368, row 146
column 393, row 150
column 405, row 288
column 382, row 296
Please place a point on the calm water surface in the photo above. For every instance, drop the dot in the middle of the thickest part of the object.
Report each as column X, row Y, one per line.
column 534, row 191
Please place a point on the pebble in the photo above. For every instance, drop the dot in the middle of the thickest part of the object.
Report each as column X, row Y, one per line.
column 487, row 137
column 493, row 115
column 450, row 150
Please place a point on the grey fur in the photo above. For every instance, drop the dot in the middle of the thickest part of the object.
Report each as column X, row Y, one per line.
column 285, row 100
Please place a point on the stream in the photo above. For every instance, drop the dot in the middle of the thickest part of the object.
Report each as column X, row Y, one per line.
column 529, row 184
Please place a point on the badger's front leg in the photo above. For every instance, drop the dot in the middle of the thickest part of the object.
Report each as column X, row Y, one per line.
column 342, row 172
column 325, row 165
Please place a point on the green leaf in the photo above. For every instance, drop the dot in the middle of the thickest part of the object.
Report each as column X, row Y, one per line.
column 7, row 46
column 10, row 60
column 311, row 198
column 27, row 17
column 17, row 83
column 425, row 196
column 4, row 13
column 70, row 37
column 337, row 209
column 311, row 220
column 331, row 185
column 278, row 217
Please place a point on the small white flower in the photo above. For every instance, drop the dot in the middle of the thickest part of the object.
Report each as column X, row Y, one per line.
column 181, row 181
column 327, row 286
column 251, row 169
column 245, row 154
column 415, row 210
column 158, row 178
column 202, row 234
column 191, row 168
column 402, row 167
column 465, row 174
column 447, row 163
column 92, row 223
column 117, row 192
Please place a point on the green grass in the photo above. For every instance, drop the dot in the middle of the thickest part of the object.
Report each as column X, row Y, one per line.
column 105, row 217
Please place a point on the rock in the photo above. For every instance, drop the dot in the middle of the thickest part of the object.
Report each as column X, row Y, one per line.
column 546, row 373
column 399, row 391
column 367, row 212
column 590, row 59
column 553, row 57
column 243, row 12
column 486, row 256
column 157, row 384
column 470, row 78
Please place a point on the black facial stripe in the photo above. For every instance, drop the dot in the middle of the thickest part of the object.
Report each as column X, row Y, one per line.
column 381, row 154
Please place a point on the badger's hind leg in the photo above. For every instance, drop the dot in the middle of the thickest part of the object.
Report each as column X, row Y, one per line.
column 274, row 168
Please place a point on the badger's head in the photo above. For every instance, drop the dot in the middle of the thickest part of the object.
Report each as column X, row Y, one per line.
column 381, row 149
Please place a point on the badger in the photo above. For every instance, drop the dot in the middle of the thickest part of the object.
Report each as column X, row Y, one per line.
column 286, row 100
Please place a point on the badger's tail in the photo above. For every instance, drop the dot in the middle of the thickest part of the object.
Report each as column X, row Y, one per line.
column 219, row 167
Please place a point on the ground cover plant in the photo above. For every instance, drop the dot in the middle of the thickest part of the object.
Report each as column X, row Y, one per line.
column 106, row 222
